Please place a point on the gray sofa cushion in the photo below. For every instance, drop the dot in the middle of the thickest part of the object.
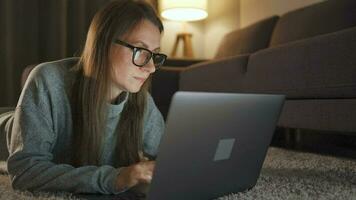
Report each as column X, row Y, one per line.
column 247, row 40
column 321, row 18
column 310, row 68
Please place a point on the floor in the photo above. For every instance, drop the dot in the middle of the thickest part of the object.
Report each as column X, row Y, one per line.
column 285, row 175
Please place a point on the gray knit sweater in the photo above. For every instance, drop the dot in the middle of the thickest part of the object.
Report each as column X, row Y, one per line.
column 39, row 143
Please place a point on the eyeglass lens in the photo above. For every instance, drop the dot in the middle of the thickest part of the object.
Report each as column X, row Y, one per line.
column 142, row 56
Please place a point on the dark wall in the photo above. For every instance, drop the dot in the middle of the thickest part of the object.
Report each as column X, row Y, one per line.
column 35, row 31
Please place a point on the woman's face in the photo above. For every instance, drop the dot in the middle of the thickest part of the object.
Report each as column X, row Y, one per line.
column 125, row 75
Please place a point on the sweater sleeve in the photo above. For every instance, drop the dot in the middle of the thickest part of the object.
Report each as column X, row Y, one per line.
column 30, row 164
column 153, row 128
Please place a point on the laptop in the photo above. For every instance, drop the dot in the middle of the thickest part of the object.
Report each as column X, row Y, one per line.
column 214, row 144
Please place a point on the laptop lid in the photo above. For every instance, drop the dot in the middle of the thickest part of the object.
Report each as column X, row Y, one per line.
column 214, row 144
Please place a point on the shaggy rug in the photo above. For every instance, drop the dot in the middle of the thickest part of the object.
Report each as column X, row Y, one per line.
column 285, row 174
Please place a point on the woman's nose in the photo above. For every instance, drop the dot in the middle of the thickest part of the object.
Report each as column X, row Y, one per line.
column 150, row 67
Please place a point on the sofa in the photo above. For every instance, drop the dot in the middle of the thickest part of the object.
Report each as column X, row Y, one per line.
column 308, row 54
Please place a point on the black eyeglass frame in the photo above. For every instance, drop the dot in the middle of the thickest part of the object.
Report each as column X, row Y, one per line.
column 136, row 49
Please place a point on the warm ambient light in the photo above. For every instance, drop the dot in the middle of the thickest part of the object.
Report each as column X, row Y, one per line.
column 184, row 14
column 184, row 10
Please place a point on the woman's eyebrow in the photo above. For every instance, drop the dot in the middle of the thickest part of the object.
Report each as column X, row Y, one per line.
column 142, row 44
column 157, row 50
column 146, row 46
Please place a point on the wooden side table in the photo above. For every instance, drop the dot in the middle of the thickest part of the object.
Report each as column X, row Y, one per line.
column 180, row 62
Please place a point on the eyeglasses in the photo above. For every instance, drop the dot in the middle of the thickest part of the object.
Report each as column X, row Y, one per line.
column 141, row 56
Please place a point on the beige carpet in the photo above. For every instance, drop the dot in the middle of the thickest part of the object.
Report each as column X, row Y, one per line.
column 285, row 175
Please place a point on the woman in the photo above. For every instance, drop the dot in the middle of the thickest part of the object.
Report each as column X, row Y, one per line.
column 88, row 125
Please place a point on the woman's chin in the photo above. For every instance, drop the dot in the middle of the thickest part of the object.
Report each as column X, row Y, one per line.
column 135, row 90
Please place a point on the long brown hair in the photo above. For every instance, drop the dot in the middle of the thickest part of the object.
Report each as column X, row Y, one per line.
column 90, row 89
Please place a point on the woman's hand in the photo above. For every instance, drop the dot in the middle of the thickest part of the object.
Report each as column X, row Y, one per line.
column 135, row 174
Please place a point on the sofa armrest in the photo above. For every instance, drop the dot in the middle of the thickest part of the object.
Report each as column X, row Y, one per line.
column 320, row 67
column 220, row 75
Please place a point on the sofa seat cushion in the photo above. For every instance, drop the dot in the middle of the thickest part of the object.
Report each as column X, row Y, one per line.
column 320, row 67
column 319, row 114
column 321, row 18
column 248, row 39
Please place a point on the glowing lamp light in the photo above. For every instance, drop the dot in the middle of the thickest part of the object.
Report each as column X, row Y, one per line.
column 184, row 10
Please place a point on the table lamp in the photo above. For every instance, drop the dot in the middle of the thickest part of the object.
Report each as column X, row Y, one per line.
column 183, row 11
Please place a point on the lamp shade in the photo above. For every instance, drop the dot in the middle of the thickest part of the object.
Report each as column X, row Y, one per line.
column 184, row 10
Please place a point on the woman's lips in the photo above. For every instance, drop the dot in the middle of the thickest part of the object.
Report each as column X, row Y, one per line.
column 140, row 79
